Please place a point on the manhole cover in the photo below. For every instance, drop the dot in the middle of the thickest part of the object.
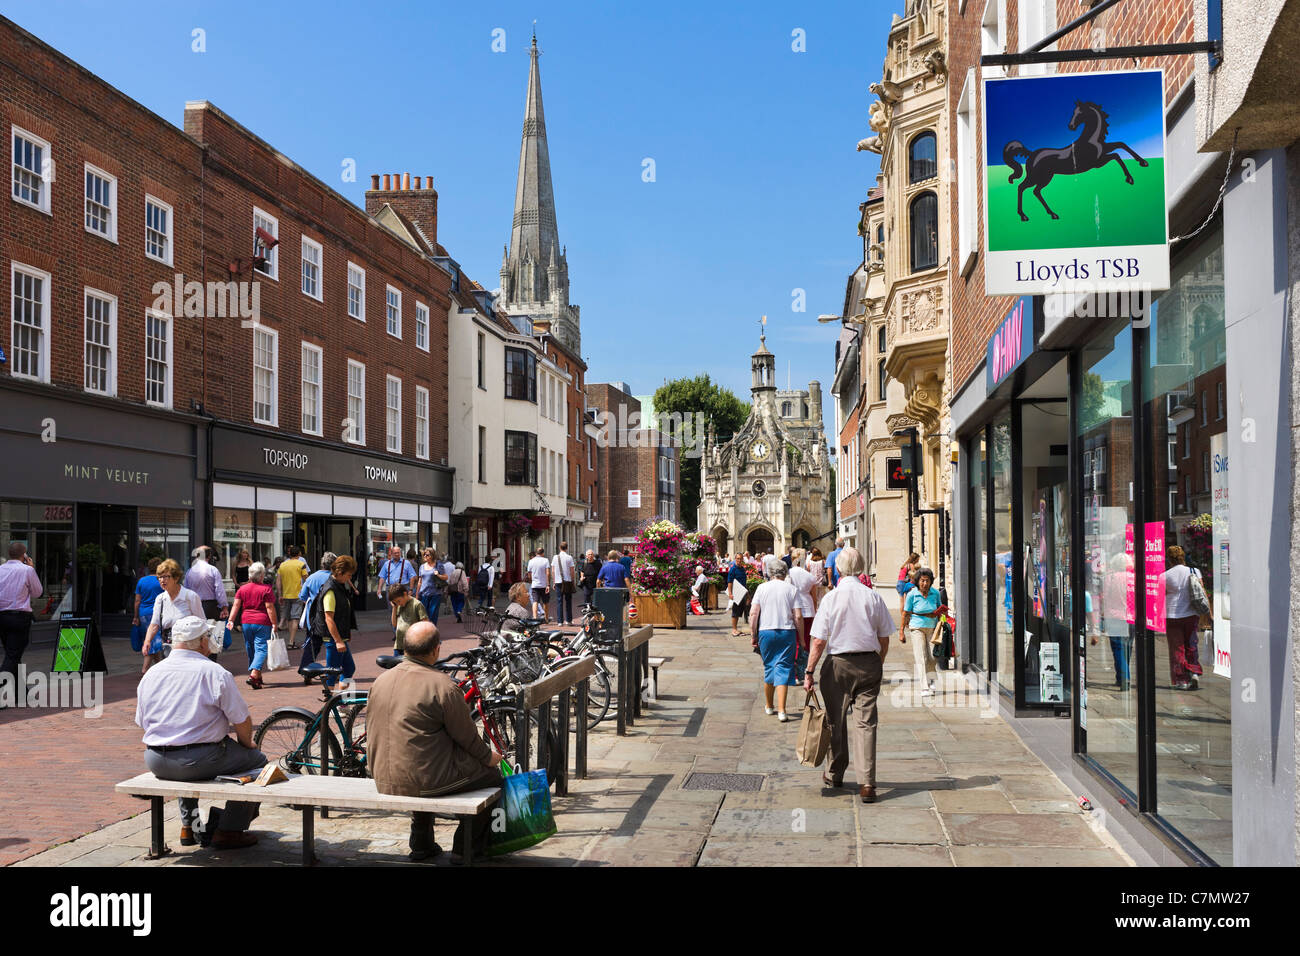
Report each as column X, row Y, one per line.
column 724, row 781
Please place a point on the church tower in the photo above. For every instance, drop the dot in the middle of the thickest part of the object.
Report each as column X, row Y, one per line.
column 535, row 270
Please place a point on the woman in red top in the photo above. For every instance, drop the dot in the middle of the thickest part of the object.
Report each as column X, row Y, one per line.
column 256, row 600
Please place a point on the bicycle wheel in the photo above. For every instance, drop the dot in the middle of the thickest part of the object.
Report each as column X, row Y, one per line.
column 503, row 719
column 354, row 722
column 600, row 693
column 283, row 739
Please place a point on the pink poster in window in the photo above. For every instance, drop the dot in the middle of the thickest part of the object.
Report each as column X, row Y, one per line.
column 1130, row 612
column 1154, row 545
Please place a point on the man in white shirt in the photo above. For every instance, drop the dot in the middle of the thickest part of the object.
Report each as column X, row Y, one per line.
column 185, row 705
column 539, row 574
column 562, row 569
column 802, row 580
column 852, row 627
column 770, row 562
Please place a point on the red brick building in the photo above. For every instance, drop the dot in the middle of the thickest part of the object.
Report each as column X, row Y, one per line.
column 641, row 468
column 206, row 343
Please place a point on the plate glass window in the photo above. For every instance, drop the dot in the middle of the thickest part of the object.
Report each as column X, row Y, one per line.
column 101, row 203
column 521, row 374
column 157, row 230
column 355, row 425
column 311, row 389
column 158, row 359
column 393, row 305
column 31, row 160
column 923, row 221
column 311, row 263
column 264, row 376
column 356, row 291
column 521, row 458
column 393, row 414
column 30, row 331
column 99, row 369
column 421, row 326
column 922, row 159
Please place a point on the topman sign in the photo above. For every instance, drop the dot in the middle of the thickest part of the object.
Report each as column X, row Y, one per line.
column 1075, row 183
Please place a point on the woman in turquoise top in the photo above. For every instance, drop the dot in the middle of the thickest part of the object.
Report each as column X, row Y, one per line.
column 920, row 605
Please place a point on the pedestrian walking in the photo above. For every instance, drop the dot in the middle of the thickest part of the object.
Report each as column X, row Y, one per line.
column 175, row 602
column 803, row 582
column 243, row 561
column 291, row 574
column 736, row 574
column 906, row 579
column 255, row 608
column 484, row 581
column 1181, row 622
column 613, row 573
column 626, row 561
column 457, row 588
column 311, row 647
column 19, row 584
column 333, row 620
column 395, row 570
column 563, row 572
column 920, row 618
column 852, row 629
column 539, row 578
column 1114, row 616
column 769, row 562
column 147, row 590
column 774, row 623
column 832, row 573
column 590, row 569
column 205, row 580
column 432, row 584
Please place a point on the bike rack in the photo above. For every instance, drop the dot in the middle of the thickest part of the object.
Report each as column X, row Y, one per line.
column 538, row 695
column 633, row 669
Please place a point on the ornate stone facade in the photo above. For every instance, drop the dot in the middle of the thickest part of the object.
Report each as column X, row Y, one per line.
column 769, row 485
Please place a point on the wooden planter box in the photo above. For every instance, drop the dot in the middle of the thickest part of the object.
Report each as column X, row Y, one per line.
column 713, row 597
column 661, row 612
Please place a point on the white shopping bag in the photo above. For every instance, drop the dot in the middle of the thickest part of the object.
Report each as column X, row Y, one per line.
column 277, row 654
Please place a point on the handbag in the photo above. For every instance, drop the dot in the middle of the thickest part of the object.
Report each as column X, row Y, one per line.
column 1197, row 597
column 814, row 741
column 277, row 654
column 527, row 821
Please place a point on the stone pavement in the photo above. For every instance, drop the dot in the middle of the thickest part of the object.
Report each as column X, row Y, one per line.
column 955, row 787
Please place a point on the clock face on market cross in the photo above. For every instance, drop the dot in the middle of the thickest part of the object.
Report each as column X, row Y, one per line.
column 760, row 449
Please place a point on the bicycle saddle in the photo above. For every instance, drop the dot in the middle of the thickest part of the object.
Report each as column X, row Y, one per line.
column 389, row 661
column 319, row 670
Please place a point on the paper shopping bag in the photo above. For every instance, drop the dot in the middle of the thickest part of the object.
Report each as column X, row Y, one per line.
column 814, row 733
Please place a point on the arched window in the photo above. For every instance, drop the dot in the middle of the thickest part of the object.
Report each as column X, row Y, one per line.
column 923, row 220
column 785, row 409
column 922, row 158
column 880, row 241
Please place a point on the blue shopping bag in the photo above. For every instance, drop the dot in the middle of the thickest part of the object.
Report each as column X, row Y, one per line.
column 526, row 799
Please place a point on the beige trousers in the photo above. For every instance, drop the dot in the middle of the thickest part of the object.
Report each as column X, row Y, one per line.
column 852, row 680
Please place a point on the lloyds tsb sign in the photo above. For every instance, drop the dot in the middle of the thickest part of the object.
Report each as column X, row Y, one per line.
column 1075, row 184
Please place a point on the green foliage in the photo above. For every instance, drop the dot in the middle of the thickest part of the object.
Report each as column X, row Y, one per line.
column 721, row 408
column 1094, row 401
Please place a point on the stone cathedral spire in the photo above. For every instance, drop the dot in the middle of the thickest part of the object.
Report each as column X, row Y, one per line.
column 535, row 273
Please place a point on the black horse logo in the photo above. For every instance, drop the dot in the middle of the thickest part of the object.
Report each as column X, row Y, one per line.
column 1089, row 151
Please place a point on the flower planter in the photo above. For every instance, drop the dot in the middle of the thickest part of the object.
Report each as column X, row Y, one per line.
column 661, row 612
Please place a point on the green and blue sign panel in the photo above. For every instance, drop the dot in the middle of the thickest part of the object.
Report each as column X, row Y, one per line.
column 1075, row 183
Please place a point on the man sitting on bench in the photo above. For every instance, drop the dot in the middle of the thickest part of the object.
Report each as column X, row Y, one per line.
column 422, row 740
column 185, row 705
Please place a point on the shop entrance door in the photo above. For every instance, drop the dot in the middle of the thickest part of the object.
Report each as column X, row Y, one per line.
column 107, row 538
column 1044, row 645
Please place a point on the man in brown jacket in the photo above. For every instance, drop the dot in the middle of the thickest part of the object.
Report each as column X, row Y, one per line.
column 422, row 739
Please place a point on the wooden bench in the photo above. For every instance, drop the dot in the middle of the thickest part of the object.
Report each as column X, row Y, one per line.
column 306, row 793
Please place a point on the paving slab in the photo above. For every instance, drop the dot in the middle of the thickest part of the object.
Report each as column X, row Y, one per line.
column 779, row 851
column 1020, row 829
column 891, row 855
column 884, row 824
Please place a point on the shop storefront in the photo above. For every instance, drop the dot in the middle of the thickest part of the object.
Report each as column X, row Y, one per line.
column 1090, row 472
column 93, row 500
column 269, row 493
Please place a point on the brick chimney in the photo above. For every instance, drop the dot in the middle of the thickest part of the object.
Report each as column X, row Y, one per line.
column 418, row 202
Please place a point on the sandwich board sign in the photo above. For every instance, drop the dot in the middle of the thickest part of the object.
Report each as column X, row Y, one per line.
column 77, row 649
column 1074, row 180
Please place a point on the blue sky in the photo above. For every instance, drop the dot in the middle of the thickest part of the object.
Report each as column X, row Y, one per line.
column 756, row 178
column 1133, row 101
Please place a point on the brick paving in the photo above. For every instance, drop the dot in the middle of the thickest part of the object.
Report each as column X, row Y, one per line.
column 956, row 787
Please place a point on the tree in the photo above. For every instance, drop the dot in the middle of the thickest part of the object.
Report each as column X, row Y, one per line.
column 687, row 397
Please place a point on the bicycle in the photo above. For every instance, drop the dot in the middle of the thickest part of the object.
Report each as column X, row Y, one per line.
column 589, row 643
column 302, row 742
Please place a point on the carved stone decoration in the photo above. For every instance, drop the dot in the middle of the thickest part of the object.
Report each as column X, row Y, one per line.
column 890, row 93
column 923, row 312
column 872, row 144
column 936, row 63
column 879, row 117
